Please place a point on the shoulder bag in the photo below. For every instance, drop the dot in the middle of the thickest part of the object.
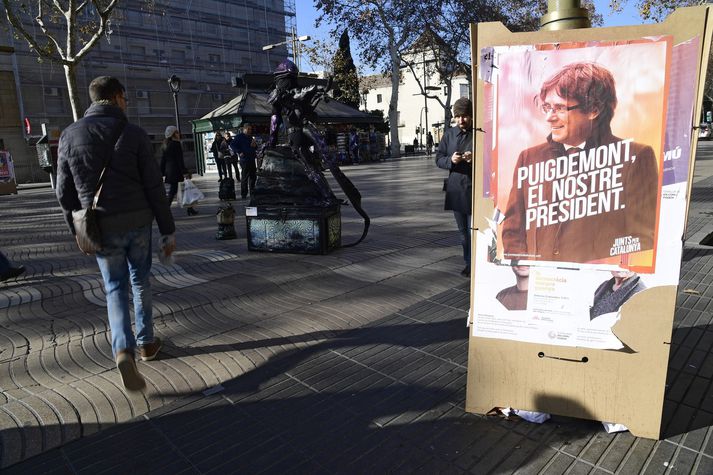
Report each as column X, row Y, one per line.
column 86, row 224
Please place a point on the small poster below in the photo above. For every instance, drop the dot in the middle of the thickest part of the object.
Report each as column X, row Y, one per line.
column 7, row 171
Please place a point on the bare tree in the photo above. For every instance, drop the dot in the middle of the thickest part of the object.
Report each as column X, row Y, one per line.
column 68, row 30
column 382, row 28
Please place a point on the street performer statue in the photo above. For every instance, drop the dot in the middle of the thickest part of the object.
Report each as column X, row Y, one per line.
column 308, row 145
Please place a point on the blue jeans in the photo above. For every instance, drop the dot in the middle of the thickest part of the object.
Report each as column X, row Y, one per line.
column 463, row 222
column 127, row 256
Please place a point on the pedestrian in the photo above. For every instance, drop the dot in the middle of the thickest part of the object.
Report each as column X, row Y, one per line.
column 172, row 167
column 132, row 196
column 455, row 154
column 7, row 270
column 429, row 144
column 215, row 147
column 415, row 145
column 354, row 146
column 245, row 147
column 231, row 159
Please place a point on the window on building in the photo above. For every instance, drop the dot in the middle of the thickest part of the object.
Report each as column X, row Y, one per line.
column 178, row 55
column 214, row 58
column 464, row 90
column 138, row 51
column 54, row 100
column 378, row 98
column 160, row 55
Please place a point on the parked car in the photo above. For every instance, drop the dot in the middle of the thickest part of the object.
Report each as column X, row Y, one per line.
column 704, row 132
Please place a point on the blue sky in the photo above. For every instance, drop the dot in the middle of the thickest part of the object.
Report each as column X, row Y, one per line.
column 306, row 15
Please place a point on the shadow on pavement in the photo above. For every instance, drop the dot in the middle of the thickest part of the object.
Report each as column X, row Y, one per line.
column 688, row 401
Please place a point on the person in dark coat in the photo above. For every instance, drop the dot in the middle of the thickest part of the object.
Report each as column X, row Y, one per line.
column 429, row 144
column 172, row 167
column 455, row 154
column 245, row 147
column 215, row 147
column 231, row 158
column 132, row 196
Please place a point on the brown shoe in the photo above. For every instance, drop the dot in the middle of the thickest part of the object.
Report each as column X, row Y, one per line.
column 130, row 376
column 150, row 351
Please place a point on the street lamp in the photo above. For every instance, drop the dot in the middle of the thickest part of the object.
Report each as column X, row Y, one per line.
column 364, row 93
column 295, row 40
column 174, row 84
column 425, row 100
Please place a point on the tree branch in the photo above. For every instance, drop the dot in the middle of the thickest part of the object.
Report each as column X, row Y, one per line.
column 103, row 20
column 47, row 33
column 17, row 25
column 81, row 6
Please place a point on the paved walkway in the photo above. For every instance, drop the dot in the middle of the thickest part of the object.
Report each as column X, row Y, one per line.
column 350, row 362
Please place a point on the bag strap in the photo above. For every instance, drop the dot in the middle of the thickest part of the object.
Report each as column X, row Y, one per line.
column 100, row 182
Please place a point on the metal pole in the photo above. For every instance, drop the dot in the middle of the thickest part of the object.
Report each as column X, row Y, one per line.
column 295, row 53
column 175, row 107
column 564, row 15
column 425, row 92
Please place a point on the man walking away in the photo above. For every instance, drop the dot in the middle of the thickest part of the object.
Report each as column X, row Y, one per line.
column 429, row 144
column 455, row 154
column 246, row 148
column 131, row 197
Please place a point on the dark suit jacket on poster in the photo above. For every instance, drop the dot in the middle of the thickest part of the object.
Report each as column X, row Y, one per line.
column 592, row 237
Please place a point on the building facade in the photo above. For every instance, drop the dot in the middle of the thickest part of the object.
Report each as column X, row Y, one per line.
column 416, row 114
column 206, row 43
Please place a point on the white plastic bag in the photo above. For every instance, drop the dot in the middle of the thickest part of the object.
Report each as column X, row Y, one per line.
column 191, row 194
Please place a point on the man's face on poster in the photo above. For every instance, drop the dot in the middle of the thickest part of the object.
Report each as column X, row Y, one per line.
column 568, row 123
column 463, row 121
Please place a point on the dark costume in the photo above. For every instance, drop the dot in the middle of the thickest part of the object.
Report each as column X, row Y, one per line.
column 607, row 300
column 298, row 105
column 592, row 237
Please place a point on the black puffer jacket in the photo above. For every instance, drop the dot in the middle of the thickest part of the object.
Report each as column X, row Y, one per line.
column 133, row 192
column 172, row 166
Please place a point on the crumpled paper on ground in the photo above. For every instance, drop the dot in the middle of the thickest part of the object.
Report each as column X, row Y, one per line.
column 529, row 416
column 612, row 427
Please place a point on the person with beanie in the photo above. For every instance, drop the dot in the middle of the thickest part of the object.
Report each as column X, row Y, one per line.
column 172, row 167
column 455, row 154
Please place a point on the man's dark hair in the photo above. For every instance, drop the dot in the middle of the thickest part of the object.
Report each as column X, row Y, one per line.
column 105, row 88
column 590, row 84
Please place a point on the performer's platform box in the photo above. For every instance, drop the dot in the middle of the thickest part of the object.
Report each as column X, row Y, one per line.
column 300, row 229
column 287, row 212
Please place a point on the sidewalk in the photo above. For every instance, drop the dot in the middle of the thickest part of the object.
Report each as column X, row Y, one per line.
column 346, row 363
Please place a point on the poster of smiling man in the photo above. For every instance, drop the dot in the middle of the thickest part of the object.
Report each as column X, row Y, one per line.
column 581, row 185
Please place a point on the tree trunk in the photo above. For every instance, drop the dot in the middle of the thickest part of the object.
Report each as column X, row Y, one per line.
column 394, row 102
column 71, row 78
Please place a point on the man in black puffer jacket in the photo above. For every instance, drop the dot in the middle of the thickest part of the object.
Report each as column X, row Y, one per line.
column 131, row 197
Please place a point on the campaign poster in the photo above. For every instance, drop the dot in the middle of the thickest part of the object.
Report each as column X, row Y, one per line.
column 7, row 172
column 576, row 152
column 579, row 302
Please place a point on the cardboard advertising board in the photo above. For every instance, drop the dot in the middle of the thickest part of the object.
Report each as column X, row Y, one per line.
column 584, row 150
